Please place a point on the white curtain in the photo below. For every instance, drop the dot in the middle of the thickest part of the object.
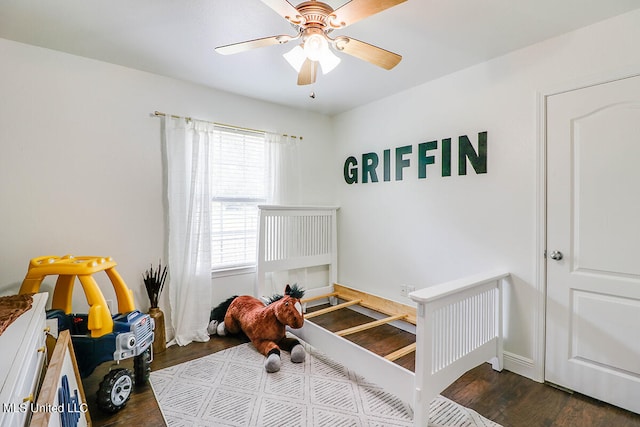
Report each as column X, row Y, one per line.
column 283, row 178
column 283, row 166
column 188, row 146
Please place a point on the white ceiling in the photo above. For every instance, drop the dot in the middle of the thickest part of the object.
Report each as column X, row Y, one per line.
column 177, row 38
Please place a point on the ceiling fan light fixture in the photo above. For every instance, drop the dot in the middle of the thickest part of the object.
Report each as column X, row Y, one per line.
column 296, row 57
column 328, row 61
column 315, row 47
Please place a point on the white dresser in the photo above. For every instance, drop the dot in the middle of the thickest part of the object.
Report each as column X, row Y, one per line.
column 23, row 355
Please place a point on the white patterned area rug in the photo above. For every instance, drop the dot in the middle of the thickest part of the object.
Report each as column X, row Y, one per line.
column 231, row 388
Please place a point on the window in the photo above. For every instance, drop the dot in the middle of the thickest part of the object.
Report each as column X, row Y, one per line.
column 239, row 186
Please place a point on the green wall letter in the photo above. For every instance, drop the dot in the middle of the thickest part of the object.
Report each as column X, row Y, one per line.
column 423, row 159
column 387, row 165
column 400, row 162
column 369, row 165
column 465, row 151
column 446, row 157
column 351, row 170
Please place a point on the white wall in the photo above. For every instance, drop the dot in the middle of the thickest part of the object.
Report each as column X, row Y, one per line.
column 81, row 167
column 424, row 232
column 81, row 172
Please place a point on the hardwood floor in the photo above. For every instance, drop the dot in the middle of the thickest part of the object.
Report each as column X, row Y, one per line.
column 504, row 397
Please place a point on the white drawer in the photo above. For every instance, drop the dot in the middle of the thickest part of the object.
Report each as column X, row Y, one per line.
column 21, row 363
column 25, row 393
column 32, row 370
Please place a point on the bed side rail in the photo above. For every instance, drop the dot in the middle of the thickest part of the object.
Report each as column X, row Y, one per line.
column 459, row 326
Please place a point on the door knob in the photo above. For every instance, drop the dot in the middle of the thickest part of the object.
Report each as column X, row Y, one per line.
column 556, row 255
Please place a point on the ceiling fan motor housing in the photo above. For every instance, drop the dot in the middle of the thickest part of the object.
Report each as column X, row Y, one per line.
column 316, row 14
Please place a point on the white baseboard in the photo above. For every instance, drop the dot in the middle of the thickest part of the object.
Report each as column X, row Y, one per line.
column 521, row 365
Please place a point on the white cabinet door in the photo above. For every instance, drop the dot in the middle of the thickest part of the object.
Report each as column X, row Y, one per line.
column 593, row 241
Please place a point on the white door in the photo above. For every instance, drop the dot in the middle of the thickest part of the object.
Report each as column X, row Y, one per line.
column 593, row 242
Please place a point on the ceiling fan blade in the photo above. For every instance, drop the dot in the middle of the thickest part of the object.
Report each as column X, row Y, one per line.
column 285, row 9
column 367, row 52
column 355, row 10
column 308, row 72
column 253, row 44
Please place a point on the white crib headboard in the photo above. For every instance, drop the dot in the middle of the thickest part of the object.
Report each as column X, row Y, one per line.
column 294, row 237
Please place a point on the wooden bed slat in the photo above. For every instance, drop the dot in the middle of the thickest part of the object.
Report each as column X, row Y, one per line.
column 401, row 352
column 376, row 303
column 370, row 325
column 332, row 308
column 306, row 300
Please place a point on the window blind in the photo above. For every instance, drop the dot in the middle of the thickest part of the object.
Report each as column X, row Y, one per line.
column 239, row 186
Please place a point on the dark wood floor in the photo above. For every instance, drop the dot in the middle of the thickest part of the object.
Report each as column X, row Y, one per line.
column 504, row 397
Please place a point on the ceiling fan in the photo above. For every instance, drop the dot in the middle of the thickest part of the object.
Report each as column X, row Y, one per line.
column 314, row 20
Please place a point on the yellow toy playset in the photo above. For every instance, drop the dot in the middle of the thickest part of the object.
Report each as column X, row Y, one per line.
column 67, row 268
column 98, row 336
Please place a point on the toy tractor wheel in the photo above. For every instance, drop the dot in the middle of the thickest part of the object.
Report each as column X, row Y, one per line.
column 115, row 390
column 142, row 367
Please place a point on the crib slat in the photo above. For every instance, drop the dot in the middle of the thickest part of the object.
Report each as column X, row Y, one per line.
column 401, row 352
column 332, row 308
column 370, row 325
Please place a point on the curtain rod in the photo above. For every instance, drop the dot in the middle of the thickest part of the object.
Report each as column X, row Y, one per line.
column 161, row 114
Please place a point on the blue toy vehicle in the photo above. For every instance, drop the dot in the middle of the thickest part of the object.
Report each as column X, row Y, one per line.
column 98, row 336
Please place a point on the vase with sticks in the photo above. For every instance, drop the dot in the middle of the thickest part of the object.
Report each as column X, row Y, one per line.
column 154, row 279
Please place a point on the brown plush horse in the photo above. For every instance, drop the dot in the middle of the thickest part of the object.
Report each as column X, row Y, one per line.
column 264, row 325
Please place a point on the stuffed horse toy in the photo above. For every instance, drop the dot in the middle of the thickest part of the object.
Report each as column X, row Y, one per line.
column 263, row 324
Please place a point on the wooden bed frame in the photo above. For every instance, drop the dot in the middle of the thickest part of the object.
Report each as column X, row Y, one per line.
column 458, row 324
